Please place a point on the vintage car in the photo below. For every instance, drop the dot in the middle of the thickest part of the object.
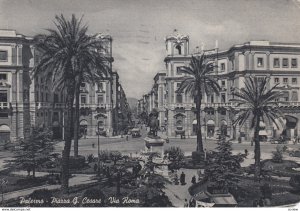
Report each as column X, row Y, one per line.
column 135, row 132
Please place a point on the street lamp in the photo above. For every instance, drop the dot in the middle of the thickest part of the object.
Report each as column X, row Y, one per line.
column 98, row 133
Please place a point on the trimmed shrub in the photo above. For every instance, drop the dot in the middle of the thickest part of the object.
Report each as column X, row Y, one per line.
column 93, row 198
column 277, row 155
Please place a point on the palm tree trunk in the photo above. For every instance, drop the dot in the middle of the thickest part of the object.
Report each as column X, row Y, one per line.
column 76, row 121
column 199, row 130
column 257, row 149
column 68, row 140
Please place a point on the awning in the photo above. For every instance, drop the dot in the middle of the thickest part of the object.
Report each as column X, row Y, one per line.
column 210, row 122
column 262, row 133
column 262, row 124
column 224, row 122
column 195, row 122
column 291, row 121
column 4, row 128
column 83, row 122
column 224, row 200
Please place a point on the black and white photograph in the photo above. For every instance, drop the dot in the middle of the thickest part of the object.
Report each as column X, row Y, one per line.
column 149, row 103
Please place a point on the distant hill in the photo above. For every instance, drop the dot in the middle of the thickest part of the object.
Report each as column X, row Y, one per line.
column 132, row 102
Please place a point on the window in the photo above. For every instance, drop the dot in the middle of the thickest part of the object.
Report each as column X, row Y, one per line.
column 46, row 97
column 285, row 96
column 223, row 98
column 223, row 83
column 276, row 62
column 222, row 66
column 294, row 63
column 100, row 99
column 3, row 97
column 294, row 80
column 55, row 98
column 285, row 80
column 260, row 62
column 212, row 98
column 285, row 62
column 3, row 77
column 3, row 56
column 179, row 98
column 178, row 70
column 178, row 47
column 42, row 97
column 100, row 86
column 82, row 85
column 223, row 112
column 276, row 80
column 210, row 112
column 83, row 99
column 294, row 96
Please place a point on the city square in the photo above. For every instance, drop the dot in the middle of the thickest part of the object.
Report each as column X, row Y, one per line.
column 190, row 106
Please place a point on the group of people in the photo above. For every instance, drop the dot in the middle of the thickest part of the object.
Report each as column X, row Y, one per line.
column 190, row 203
column 261, row 202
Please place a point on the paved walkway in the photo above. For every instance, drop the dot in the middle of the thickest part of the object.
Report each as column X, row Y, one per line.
column 75, row 180
column 178, row 193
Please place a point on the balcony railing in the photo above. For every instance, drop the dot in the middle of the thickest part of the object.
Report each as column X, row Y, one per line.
column 3, row 105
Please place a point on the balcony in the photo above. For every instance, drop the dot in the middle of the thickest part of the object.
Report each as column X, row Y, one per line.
column 39, row 105
column 4, row 105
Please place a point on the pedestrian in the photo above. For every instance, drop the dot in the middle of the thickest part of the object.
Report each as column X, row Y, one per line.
column 255, row 203
column 246, row 152
column 167, row 140
column 93, row 145
column 182, row 178
column 95, row 167
column 176, row 180
column 186, row 203
column 261, row 202
column 193, row 179
column 126, row 137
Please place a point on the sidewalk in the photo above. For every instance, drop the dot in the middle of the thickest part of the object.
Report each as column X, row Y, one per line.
column 78, row 179
column 178, row 193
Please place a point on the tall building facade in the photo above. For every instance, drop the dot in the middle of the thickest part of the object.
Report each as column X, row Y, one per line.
column 27, row 101
column 277, row 61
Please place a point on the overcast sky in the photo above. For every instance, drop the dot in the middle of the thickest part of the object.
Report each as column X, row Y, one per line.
column 138, row 27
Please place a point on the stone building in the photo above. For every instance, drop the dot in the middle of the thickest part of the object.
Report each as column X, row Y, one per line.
column 277, row 61
column 27, row 102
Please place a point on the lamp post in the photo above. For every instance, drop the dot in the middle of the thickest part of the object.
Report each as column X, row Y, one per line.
column 98, row 133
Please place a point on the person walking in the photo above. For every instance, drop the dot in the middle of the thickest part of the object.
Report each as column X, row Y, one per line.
column 186, row 204
column 182, row 178
column 193, row 179
column 126, row 137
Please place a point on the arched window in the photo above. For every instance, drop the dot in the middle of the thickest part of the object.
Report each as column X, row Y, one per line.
column 178, row 47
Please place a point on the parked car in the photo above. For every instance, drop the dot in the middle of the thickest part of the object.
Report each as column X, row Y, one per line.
column 281, row 140
column 294, row 153
column 135, row 132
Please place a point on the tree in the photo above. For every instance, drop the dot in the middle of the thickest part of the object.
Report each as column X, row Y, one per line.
column 93, row 66
column 33, row 152
column 62, row 54
column 222, row 165
column 257, row 103
column 115, row 156
column 175, row 155
column 198, row 81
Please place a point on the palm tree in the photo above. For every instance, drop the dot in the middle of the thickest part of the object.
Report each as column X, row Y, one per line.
column 93, row 66
column 197, row 82
column 64, row 52
column 257, row 103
